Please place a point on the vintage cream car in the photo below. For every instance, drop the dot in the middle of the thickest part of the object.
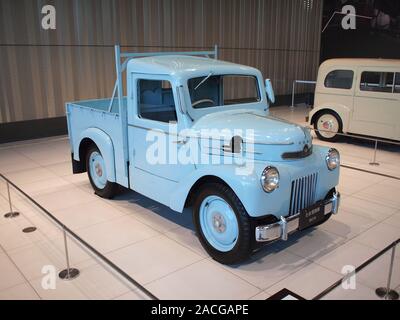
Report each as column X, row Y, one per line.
column 359, row 96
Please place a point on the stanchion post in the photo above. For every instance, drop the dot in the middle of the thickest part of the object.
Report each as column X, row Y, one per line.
column 387, row 293
column 11, row 213
column 293, row 93
column 69, row 273
column 374, row 163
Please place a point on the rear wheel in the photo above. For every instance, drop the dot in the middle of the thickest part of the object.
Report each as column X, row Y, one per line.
column 327, row 126
column 222, row 224
column 96, row 169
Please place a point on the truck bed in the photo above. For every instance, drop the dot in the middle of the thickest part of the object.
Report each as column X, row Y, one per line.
column 94, row 115
column 99, row 105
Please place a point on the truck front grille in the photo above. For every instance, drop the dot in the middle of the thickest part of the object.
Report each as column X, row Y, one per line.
column 303, row 193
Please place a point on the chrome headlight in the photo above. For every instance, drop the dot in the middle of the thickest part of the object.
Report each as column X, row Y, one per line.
column 333, row 159
column 270, row 179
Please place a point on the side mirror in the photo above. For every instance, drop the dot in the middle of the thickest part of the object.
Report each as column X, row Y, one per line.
column 270, row 90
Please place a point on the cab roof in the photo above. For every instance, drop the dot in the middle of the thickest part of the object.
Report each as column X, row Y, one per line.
column 180, row 65
column 354, row 62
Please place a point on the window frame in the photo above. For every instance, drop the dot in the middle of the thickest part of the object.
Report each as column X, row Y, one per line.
column 338, row 88
column 256, row 83
column 396, row 76
column 138, row 99
column 360, row 87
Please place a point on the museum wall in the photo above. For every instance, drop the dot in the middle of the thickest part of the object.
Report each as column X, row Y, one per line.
column 42, row 69
column 376, row 33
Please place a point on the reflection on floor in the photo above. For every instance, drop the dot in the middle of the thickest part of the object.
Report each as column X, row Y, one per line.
column 158, row 247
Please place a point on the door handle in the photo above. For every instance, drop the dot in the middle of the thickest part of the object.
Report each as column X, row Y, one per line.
column 184, row 141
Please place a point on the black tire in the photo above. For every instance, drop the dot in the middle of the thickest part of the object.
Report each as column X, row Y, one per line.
column 338, row 119
column 110, row 188
column 243, row 247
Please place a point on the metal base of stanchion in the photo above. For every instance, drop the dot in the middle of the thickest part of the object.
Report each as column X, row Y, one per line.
column 12, row 214
column 384, row 294
column 72, row 274
column 374, row 164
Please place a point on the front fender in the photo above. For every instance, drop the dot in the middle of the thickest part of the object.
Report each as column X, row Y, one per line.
column 105, row 145
column 248, row 188
column 243, row 186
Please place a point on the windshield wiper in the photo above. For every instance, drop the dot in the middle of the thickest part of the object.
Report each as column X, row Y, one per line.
column 204, row 80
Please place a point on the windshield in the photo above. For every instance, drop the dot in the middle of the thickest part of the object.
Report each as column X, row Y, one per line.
column 223, row 90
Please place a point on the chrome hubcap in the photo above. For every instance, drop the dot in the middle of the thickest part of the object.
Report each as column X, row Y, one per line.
column 219, row 223
column 98, row 169
column 328, row 126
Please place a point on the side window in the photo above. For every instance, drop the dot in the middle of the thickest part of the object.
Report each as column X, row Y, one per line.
column 339, row 79
column 156, row 100
column 397, row 83
column 377, row 81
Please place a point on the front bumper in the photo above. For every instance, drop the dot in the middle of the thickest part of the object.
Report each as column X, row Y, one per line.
column 288, row 225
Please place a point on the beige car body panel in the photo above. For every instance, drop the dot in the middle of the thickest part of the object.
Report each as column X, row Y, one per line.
column 361, row 112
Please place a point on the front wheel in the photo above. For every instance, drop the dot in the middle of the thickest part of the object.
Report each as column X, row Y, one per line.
column 97, row 173
column 222, row 224
column 327, row 126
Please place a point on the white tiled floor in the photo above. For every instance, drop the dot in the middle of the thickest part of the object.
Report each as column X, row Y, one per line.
column 154, row 258
column 9, row 276
column 203, row 280
column 307, row 282
column 268, row 267
column 158, row 247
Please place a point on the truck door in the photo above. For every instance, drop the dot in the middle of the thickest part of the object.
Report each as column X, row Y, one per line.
column 153, row 140
column 376, row 105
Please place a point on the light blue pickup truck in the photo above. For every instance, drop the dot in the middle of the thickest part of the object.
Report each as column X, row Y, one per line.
column 193, row 131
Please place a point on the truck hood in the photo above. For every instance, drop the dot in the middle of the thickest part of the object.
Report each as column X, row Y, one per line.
column 266, row 130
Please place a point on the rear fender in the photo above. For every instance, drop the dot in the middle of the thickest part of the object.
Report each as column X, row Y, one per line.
column 105, row 145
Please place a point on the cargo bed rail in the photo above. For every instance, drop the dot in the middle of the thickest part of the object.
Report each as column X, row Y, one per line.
column 120, row 67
